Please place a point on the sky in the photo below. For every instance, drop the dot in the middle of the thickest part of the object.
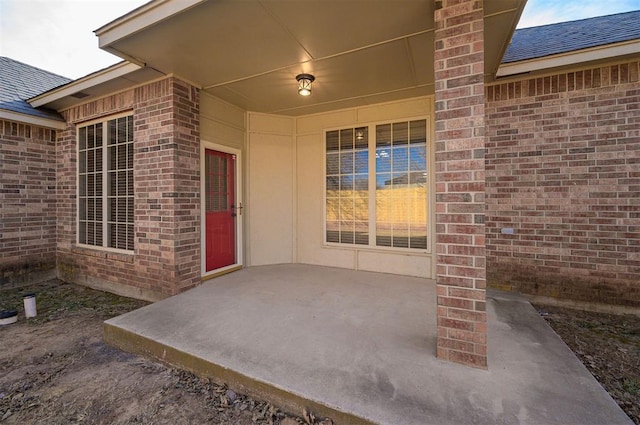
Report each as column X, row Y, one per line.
column 57, row 35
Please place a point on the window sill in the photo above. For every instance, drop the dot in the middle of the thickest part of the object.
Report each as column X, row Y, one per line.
column 125, row 257
column 379, row 250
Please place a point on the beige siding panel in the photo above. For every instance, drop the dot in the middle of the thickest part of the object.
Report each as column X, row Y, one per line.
column 310, row 204
column 391, row 262
column 270, row 204
column 316, row 123
column 273, row 124
column 221, row 133
column 396, row 110
column 221, row 122
column 330, row 257
column 221, row 110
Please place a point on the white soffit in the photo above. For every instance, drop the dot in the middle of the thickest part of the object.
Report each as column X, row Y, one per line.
column 569, row 59
column 247, row 52
column 146, row 15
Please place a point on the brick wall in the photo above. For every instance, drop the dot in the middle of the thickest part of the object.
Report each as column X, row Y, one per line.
column 460, row 256
column 563, row 171
column 166, row 257
column 27, row 197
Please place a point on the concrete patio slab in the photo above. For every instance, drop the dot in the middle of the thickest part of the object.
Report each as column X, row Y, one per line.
column 360, row 347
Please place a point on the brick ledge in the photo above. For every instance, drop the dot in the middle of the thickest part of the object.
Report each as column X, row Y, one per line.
column 117, row 256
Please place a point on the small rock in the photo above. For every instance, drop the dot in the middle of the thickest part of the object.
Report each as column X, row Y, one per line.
column 309, row 417
column 224, row 401
column 6, row 415
column 231, row 396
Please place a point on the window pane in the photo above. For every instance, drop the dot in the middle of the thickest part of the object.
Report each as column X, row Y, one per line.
column 130, row 155
column 362, row 138
column 347, row 185
column 333, row 184
column 82, row 139
column 333, row 143
column 361, row 165
column 401, row 189
column 111, row 132
column 111, row 157
column 98, row 209
column 418, row 158
column 91, row 185
column 383, row 135
column 333, row 164
column 400, row 133
column 346, row 139
column 383, row 160
column 361, row 232
column 91, row 135
column 346, row 162
column 418, row 131
column 400, row 159
column 98, row 135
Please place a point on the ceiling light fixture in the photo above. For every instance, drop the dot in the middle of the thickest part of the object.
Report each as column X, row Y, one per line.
column 304, row 84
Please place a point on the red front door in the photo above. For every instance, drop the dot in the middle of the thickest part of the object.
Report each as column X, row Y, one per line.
column 220, row 209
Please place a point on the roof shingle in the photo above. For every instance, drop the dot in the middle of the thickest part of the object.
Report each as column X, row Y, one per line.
column 19, row 82
column 547, row 40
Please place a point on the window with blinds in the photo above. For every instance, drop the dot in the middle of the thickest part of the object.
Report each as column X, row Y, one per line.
column 105, row 184
column 347, row 186
column 376, row 185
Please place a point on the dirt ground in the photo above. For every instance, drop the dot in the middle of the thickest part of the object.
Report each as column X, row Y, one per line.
column 55, row 369
column 608, row 345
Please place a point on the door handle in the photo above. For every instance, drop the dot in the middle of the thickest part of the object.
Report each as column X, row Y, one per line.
column 234, row 209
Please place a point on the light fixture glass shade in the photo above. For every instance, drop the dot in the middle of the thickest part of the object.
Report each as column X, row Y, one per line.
column 304, row 84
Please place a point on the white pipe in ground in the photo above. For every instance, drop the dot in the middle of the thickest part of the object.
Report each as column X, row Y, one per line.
column 30, row 305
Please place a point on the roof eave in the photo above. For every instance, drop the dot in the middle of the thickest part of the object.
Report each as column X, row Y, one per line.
column 569, row 58
column 83, row 83
column 31, row 119
column 146, row 15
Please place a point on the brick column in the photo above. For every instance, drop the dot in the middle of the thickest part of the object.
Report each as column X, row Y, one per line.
column 167, row 185
column 460, row 182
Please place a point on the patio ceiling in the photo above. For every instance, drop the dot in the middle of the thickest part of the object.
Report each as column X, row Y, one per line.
column 249, row 52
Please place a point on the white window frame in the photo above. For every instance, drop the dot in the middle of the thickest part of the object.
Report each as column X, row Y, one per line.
column 105, row 172
column 371, row 246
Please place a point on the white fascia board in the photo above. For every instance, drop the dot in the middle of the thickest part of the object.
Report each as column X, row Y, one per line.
column 141, row 18
column 33, row 120
column 572, row 58
column 83, row 83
